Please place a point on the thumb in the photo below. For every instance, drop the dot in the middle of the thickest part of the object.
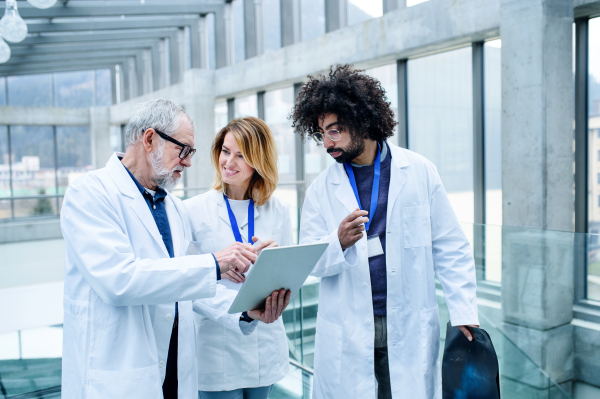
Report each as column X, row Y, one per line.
column 255, row 239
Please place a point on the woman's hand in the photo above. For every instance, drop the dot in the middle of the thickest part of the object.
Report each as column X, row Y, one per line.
column 274, row 307
column 234, row 276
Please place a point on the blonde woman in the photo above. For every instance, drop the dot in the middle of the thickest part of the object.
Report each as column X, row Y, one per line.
column 240, row 206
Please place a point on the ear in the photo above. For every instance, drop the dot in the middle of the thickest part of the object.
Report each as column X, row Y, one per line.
column 147, row 139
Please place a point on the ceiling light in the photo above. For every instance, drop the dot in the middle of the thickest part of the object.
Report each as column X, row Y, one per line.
column 42, row 3
column 12, row 26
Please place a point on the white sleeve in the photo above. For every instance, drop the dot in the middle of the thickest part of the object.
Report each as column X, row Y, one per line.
column 313, row 229
column 217, row 307
column 452, row 257
column 99, row 243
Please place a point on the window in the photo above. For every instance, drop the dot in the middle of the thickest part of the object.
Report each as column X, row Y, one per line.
column 362, row 10
column 30, row 90
column 74, row 89
column 245, row 106
column 272, row 24
column 312, row 19
column 388, row 77
column 220, row 115
column 593, row 250
column 440, row 122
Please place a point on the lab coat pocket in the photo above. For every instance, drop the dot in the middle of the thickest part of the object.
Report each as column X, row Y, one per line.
column 204, row 240
column 430, row 337
column 210, row 336
column 417, row 226
column 133, row 383
column 328, row 350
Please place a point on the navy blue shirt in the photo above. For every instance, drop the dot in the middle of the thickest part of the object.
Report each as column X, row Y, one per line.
column 364, row 183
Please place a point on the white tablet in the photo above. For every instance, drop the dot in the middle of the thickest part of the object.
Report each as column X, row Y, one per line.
column 276, row 268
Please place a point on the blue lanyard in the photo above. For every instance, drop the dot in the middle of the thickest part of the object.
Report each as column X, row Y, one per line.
column 234, row 225
column 375, row 189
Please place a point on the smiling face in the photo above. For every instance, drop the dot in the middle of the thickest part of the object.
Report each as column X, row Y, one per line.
column 348, row 147
column 234, row 169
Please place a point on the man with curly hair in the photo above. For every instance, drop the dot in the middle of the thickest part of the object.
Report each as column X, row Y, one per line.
column 391, row 229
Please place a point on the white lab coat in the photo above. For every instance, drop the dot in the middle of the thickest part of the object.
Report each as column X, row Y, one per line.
column 227, row 359
column 120, row 289
column 423, row 238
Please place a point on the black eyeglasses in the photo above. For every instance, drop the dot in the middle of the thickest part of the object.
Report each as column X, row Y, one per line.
column 186, row 150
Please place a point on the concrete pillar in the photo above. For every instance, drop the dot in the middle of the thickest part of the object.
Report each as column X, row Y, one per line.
column 196, row 43
column 200, row 105
column 392, row 5
column 290, row 22
column 221, row 38
column 100, row 134
column 537, row 183
column 250, row 29
column 203, row 40
column 156, row 66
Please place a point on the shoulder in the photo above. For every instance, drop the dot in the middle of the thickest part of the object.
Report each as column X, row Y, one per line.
column 201, row 201
column 90, row 184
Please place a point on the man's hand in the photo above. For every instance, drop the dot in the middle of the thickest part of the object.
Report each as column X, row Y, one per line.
column 234, row 276
column 352, row 227
column 465, row 330
column 236, row 257
column 274, row 307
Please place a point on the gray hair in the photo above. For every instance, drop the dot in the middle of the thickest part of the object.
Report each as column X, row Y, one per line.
column 163, row 115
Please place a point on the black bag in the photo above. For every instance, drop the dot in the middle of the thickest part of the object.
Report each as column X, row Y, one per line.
column 469, row 368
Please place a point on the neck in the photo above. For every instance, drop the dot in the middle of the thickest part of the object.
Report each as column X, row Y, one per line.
column 139, row 166
column 367, row 157
column 238, row 193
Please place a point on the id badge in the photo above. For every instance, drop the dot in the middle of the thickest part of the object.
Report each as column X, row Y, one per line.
column 374, row 247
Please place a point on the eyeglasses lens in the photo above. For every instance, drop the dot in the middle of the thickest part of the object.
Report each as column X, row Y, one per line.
column 334, row 134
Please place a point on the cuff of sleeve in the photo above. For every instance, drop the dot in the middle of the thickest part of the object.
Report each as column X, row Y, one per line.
column 246, row 318
column 349, row 255
column 248, row 328
column 218, row 268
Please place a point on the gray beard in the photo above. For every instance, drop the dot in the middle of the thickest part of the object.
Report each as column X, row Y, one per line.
column 165, row 178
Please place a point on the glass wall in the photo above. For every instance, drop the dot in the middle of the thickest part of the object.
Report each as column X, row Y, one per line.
column 272, row 24
column 220, row 115
column 493, row 159
column 388, row 77
column 239, row 44
column 74, row 89
column 245, row 106
column 440, row 122
column 362, row 10
column 593, row 279
column 30, row 90
column 410, row 3
column 278, row 105
column 5, row 192
column 312, row 19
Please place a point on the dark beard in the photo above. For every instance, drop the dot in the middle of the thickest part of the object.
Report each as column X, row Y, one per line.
column 355, row 148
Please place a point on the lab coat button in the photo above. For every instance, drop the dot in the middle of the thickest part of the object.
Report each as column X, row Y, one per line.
column 370, row 360
column 161, row 364
column 365, row 285
column 368, row 322
column 169, row 316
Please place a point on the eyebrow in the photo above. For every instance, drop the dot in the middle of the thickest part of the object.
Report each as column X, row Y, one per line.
column 331, row 124
column 225, row 147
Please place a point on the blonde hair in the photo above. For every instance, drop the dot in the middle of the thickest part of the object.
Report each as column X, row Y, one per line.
column 257, row 145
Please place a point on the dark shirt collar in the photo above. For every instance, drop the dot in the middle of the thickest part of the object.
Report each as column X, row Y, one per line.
column 160, row 193
column 384, row 152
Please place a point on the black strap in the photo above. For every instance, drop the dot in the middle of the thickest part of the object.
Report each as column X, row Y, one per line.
column 170, row 385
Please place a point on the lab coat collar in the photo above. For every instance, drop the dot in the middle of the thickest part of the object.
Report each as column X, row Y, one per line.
column 217, row 196
column 344, row 191
column 127, row 186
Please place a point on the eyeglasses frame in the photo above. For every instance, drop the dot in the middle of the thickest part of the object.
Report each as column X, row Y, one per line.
column 328, row 135
column 180, row 144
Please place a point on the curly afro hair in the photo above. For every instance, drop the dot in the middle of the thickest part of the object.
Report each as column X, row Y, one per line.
column 357, row 99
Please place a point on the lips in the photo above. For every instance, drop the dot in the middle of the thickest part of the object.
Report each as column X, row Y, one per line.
column 335, row 154
column 230, row 172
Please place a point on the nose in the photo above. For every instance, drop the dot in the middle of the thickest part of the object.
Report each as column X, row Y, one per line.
column 186, row 162
column 327, row 142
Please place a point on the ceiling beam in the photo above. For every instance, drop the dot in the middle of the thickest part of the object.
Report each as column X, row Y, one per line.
column 122, row 24
column 101, row 9
column 76, row 48
column 84, row 54
column 99, row 36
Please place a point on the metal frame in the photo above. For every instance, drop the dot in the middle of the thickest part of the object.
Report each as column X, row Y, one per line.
column 402, row 80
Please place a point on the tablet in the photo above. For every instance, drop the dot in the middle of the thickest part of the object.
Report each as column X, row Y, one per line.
column 276, row 268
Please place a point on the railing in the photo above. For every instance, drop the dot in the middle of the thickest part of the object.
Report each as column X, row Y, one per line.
column 525, row 277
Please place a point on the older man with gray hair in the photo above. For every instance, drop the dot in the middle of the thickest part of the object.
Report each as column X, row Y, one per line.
column 128, row 325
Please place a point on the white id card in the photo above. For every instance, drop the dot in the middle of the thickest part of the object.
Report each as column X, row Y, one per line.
column 374, row 246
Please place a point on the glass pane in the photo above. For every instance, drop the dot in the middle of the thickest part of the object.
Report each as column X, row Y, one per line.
column 312, row 21
column 74, row 147
column 212, row 46
column 30, row 90
column 272, row 24
column 4, row 166
column 316, row 160
column 239, row 45
column 74, row 89
column 2, row 91
column 440, row 117
column 33, row 169
column 103, row 88
column 593, row 280
column 245, row 106
column 493, row 158
column 388, row 77
column 278, row 105
column 116, row 139
column 220, row 115
column 362, row 10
